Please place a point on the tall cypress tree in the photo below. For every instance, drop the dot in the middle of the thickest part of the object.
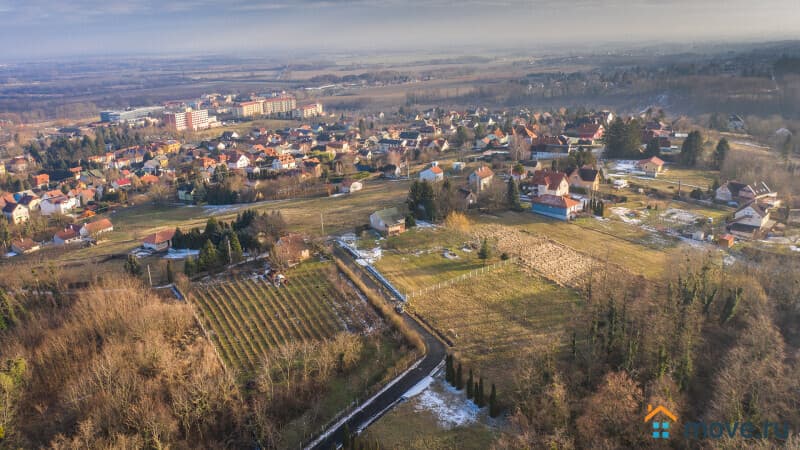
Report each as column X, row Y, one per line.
column 459, row 378
column 493, row 409
column 470, row 382
column 448, row 369
column 480, row 399
column 513, row 195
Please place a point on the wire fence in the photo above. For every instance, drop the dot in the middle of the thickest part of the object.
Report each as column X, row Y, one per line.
column 460, row 278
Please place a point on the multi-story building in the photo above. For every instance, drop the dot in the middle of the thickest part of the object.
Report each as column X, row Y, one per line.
column 282, row 105
column 306, row 111
column 249, row 109
column 129, row 114
column 187, row 120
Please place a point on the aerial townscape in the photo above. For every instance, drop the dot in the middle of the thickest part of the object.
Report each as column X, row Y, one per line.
column 352, row 242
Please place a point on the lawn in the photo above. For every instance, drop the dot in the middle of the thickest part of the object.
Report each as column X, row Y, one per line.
column 415, row 259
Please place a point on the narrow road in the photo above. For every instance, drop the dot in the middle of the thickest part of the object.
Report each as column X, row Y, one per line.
column 383, row 401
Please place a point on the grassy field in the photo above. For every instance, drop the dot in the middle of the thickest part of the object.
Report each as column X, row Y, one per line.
column 494, row 319
column 582, row 235
column 414, row 260
column 392, row 430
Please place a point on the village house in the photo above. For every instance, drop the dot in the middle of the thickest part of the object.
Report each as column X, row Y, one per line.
column 24, row 246
column 388, row 221
column 30, row 201
column 651, row 166
column 468, row 198
column 481, row 178
column 750, row 220
column 432, row 174
column 69, row 235
column 92, row 229
column 585, row 177
column 40, row 181
column 350, row 186
column 284, row 162
column 16, row 213
column 159, row 241
column 556, row 207
column 741, row 192
column 60, row 204
column 292, row 249
column 548, row 182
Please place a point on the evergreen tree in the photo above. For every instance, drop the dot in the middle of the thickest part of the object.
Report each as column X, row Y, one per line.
column 480, row 400
column 459, row 378
column 179, row 239
column 5, row 234
column 208, row 258
column 722, row 150
column 8, row 315
column 653, row 148
column 347, row 437
column 170, row 272
column 475, row 393
column 691, row 149
column 622, row 139
column 513, row 195
column 485, row 251
column 189, row 267
column 493, row 409
column 132, row 265
column 470, row 382
column 212, row 230
column 448, row 369
column 236, row 248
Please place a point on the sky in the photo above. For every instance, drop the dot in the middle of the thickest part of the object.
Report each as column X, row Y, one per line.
column 53, row 28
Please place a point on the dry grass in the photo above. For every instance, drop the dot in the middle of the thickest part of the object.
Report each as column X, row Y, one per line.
column 495, row 319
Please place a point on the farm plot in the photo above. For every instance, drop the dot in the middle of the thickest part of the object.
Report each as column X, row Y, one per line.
column 554, row 261
column 505, row 316
column 247, row 317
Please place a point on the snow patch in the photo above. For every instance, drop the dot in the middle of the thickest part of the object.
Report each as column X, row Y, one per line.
column 450, row 407
column 418, row 388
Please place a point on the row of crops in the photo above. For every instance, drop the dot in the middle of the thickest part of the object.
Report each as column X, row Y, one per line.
column 246, row 317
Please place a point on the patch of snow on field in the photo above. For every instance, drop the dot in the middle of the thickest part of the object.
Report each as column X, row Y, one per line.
column 679, row 216
column 213, row 210
column 418, row 388
column 180, row 254
column 623, row 214
column 451, row 409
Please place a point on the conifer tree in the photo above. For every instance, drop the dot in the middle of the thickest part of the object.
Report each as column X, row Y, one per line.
column 475, row 393
column 481, row 400
column 459, row 378
column 470, row 382
column 493, row 409
column 448, row 369
column 170, row 272
column 513, row 195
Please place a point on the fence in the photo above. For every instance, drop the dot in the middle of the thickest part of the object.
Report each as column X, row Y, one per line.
column 466, row 276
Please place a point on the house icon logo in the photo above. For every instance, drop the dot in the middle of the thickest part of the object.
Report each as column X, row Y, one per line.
column 660, row 428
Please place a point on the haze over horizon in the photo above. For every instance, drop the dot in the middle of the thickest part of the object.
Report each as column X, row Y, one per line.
column 47, row 28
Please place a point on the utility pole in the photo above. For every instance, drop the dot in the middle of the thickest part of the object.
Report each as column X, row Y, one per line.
column 321, row 223
column 230, row 255
column 149, row 276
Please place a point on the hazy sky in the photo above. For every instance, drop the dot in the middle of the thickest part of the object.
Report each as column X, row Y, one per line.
column 73, row 27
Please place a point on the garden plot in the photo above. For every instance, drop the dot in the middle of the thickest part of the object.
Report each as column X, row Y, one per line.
column 680, row 216
column 554, row 261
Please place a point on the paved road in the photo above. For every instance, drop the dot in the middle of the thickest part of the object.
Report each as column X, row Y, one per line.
column 385, row 400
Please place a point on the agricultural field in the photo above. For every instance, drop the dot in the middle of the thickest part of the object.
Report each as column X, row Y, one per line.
column 619, row 243
column 416, row 259
column 496, row 318
column 246, row 317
